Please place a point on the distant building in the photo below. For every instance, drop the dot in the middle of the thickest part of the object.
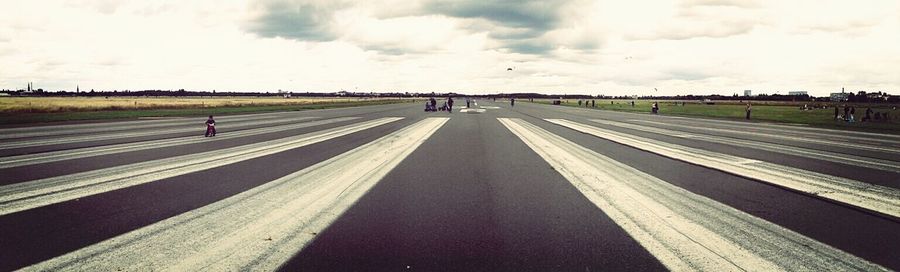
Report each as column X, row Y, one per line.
column 748, row 93
column 839, row 97
column 797, row 93
column 878, row 96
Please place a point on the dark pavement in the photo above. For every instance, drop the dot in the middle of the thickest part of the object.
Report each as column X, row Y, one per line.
column 473, row 197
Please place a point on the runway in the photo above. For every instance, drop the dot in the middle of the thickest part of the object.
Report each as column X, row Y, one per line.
column 491, row 187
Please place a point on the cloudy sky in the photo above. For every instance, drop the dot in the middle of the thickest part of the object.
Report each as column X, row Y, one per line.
column 556, row 46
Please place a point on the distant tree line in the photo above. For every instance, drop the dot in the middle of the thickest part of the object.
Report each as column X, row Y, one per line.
column 859, row 97
column 185, row 93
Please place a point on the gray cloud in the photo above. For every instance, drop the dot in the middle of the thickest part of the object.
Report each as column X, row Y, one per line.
column 687, row 74
column 850, row 28
column 304, row 21
column 533, row 15
column 529, row 46
column 515, row 26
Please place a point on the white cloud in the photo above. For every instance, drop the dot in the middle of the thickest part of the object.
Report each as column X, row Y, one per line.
column 571, row 46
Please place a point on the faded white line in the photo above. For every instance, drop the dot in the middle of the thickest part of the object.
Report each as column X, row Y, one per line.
column 43, row 131
column 848, row 159
column 807, row 130
column 685, row 231
column 45, row 157
column 259, row 229
column 199, row 129
column 872, row 197
column 784, row 137
column 38, row 193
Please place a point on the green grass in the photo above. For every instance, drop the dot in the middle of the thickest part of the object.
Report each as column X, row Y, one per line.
column 26, row 118
column 786, row 112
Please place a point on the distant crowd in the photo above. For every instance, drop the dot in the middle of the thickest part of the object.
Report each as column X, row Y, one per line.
column 869, row 115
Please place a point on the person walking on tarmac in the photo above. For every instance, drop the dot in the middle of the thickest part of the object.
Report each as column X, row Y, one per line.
column 450, row 104
column 748, row 111
column 210, row 127
column 512, row 102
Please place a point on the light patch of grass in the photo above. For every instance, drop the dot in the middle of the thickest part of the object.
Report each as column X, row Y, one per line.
column 15, row 118
column 69, row 104
column 770, row 111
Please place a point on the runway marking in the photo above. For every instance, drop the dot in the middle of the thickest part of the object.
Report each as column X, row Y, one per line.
column 806, row 130
column 199, row 129
column 491, row 107
column 45, row 157
column 471, row 110
column 685, row 231
column 32, row 194
column 259, row 229
column 783, row 137
column 847, row 159
column 872, row 197
column 41, row 131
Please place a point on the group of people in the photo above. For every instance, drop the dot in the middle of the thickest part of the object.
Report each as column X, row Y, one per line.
column 431, row 105
column 850, row 115
column 592, row 103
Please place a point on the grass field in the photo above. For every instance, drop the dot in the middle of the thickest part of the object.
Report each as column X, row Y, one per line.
column 770, row 111
column 69, row 104
column 23, row 110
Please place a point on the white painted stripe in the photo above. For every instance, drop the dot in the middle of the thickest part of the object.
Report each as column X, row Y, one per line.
column 199, row 128
column 685, row 231
column 860, row 161
column 45, row 157
column 864, row 195
column 38, row 193
column 259, row 229
column 41, row 131
column 785, row 137
column 808, row 130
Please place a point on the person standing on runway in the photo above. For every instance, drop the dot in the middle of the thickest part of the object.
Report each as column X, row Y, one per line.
column 846, row 113
column 210, row 127
column 748, row 110
column 450, row 104
column 512, row 102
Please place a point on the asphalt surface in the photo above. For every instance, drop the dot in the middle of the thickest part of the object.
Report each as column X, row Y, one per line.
column 471, row 195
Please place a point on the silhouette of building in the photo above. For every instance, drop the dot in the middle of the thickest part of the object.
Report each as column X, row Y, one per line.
column 840, row 97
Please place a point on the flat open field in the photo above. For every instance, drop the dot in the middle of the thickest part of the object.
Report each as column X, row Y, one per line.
column 772, row 111
column 21, row 110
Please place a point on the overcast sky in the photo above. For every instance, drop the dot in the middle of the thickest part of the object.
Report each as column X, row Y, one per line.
column 589, row 47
